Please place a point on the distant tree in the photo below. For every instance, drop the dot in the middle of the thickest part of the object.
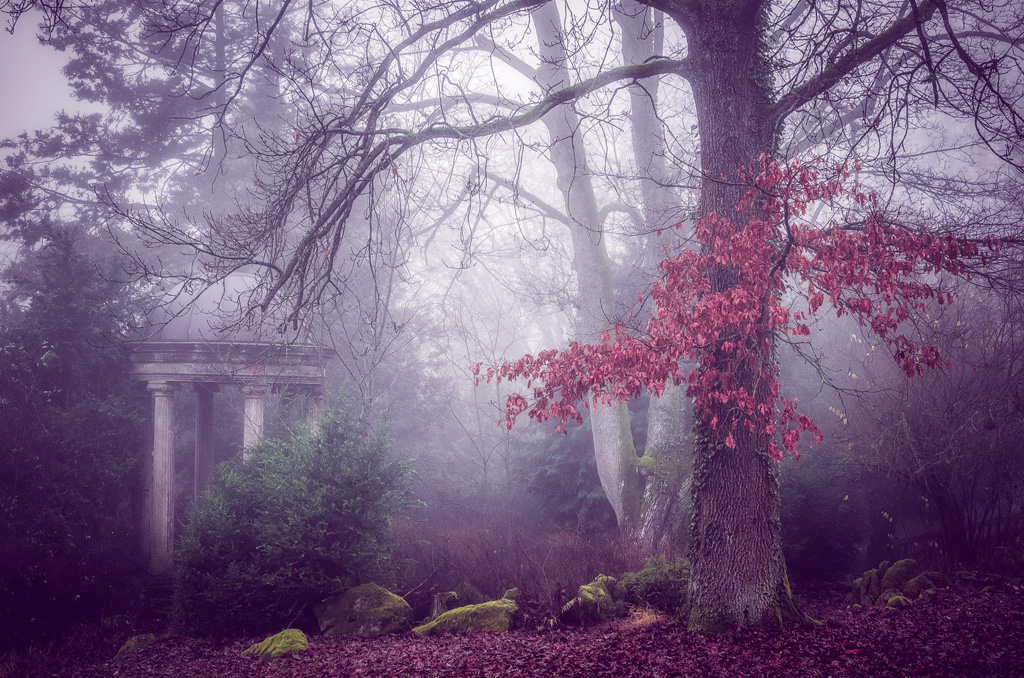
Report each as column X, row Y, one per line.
column 53, row 12
column 69, row 435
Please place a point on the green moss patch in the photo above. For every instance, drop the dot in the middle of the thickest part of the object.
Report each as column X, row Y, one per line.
column 289, row 641
column 495, row 615
column 899, row 573
column 136, row 643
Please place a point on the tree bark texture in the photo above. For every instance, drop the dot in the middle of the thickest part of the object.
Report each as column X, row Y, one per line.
column 738, row 576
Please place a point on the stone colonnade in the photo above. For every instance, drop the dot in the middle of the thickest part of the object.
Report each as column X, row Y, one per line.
column 258, row 369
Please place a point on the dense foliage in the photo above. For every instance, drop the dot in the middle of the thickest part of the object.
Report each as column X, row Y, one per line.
column 69, row 435
column 298, row 520
column 564, row 486
column 660, row 584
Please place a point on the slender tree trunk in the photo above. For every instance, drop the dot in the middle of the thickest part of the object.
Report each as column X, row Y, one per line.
column 667, row 463
column 613, row 441
column 738, row 571
column 646, row 493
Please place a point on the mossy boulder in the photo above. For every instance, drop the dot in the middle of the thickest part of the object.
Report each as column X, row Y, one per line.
column 366, row 611
column 136, row 643
column 494, row 615
column 289, row 641
column 924, row 582
column 883, row 598
column 865, row 589
column 596, row 600
column 876, row 587
column 899, row 573
column 593, row 603
column 897, row 602
column 511, row 594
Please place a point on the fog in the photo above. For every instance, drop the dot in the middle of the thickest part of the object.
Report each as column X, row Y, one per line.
column 423, row 200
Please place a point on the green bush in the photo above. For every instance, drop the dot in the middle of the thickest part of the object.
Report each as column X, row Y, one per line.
column 70, row 437
column 661, row 585
column 298, row 520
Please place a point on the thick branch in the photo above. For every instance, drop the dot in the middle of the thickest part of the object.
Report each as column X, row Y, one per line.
column 563, row 96
column 850, row 62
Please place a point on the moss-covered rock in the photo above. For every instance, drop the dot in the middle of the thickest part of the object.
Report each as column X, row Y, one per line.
column 899, row 573
column 897, row 602
column 511, row 594
column 924, row 582
column 366, row 611
column 596, row 602
column 883, row 598
column 469, row 594
column 918, row 585
column 136, row 643
column 494, row 615
column 289, row 641
column 865, row 589
column 593, row 602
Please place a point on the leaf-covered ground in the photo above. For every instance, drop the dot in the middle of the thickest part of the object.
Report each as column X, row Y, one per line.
column 955, row 633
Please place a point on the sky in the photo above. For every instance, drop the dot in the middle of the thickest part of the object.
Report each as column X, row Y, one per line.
column 32, row 88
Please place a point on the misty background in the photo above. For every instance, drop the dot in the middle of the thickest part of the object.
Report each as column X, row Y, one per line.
column 175, row 164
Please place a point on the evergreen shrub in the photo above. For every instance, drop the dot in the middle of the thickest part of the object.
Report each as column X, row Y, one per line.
column 660, row 584
column 70, row 437
column 298, row 520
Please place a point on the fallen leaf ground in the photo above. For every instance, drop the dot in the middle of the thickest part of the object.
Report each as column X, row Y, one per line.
column 959, row 633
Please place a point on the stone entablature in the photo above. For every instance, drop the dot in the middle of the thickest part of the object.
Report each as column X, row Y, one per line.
column 277, row 365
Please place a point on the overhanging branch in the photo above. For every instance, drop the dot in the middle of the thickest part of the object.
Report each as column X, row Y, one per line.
column 563, row 96
column 850, row 62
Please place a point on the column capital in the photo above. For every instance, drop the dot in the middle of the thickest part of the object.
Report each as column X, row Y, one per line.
column 256, row 389
column 161, row 387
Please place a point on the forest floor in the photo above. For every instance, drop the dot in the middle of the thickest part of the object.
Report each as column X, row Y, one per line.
column 956, row 632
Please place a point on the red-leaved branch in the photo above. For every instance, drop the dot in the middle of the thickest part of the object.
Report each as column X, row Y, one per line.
column 718, row 339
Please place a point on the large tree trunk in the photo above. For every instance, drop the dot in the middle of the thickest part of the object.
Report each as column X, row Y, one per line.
column 739, row 575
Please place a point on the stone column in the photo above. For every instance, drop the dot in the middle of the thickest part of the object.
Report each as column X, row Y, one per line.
column 315, row 409
column 254, row 393
column 205, row 462
column 161, row 508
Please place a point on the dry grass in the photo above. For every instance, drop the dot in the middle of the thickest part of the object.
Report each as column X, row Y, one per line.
column 639, row 617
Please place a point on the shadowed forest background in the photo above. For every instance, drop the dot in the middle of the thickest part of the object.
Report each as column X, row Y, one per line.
column 430, row 190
